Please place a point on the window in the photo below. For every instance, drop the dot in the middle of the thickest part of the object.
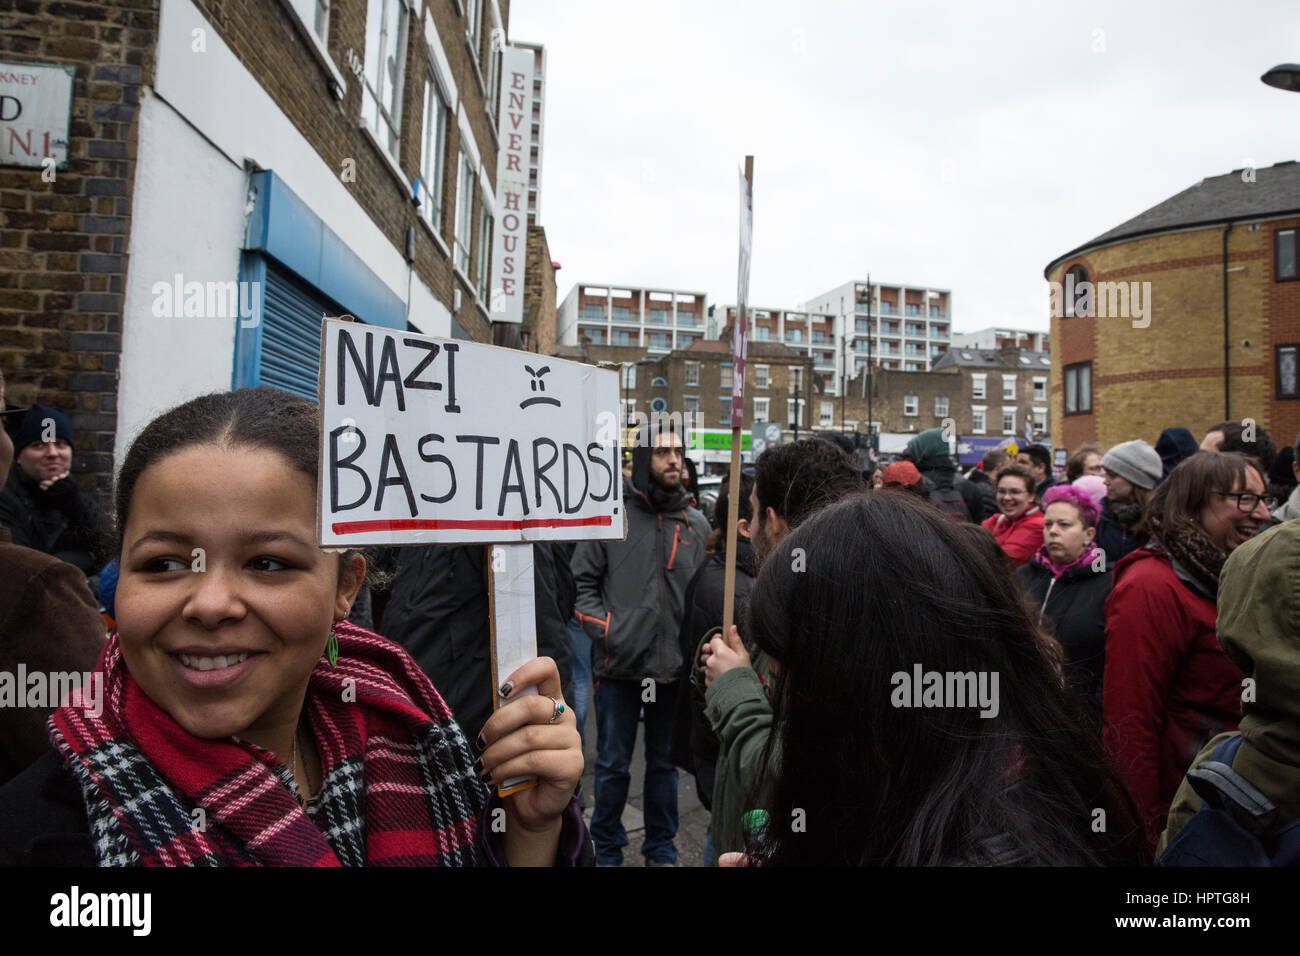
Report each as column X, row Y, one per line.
column 977, row 385
column 725, row 377
column 1078, row 389
column 724, row 413
column 629, row 376
column 760, row 409
column 473, row 17
column 629, row 410
column 794, row 335
column 886, row 307
column 1008, row 420
column 685, row 341
column 692, row 370
column 910, row 405
column 658, row 316
column 1040, row 388
column 623, row 337
column 941, row 407
column 484, row 252
column 762, row 333
column 622, row 313
column 597, row 336
column 1008, row 388
column 1287, row 385
column 658, row 405
column 862, row 325
column 1075, row 293
column 1040, row 420
column 977, row 419
column 818, row 337
column 796, row 378
column 659, row 382
column 464, row 208
column 826, row 417
column 315, row 16
column 691, row 403
column 793, row 415
column 660, row 340
column 381, row 93
column 934, row 311
column 1285, row 248
column 493, row 81
column 591, row 311
column 433, row 150
column 913, row 309
column 760, row 376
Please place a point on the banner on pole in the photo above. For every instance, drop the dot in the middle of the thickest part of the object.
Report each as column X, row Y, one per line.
column 740, row 334
column 510, row 244
column 428, row 440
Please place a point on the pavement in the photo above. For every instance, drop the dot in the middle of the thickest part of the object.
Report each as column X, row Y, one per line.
column 692, row 817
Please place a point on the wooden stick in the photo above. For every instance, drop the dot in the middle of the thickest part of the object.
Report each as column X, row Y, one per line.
column 733, row 487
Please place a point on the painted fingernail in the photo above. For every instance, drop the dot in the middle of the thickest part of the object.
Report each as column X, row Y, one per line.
column 506, row 688
column 478, row 765
column 481, row 743
column 487, row 777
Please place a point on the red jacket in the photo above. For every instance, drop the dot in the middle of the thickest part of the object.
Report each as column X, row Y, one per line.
column 1019, row 539
column 1168, row 685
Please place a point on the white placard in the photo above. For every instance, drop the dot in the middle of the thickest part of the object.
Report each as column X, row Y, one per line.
column 429, row 440
column 35, row 110
column 514, row 133
column 514, row 626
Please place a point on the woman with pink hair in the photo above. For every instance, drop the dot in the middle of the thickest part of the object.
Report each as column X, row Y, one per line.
column 1069, row 581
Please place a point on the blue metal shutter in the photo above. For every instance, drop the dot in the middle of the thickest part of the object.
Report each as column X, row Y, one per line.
column 291, row 317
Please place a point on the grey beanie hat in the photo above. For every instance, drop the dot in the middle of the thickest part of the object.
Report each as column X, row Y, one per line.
column 1136, row 462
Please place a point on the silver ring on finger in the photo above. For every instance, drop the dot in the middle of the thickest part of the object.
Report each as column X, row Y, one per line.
column 559, row 710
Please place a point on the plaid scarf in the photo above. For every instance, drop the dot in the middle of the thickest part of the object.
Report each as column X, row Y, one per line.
column 1187, row 544
column 398, row 786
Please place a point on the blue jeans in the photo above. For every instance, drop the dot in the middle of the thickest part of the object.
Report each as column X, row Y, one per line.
column 618, row 704
column 580, row 644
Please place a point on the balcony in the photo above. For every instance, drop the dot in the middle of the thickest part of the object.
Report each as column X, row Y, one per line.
column 626, row 318
column 686, row 320
column 939, row 333
column 657, row 317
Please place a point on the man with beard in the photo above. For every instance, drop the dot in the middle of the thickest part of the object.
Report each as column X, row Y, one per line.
column 630, row 600
column 791, row 484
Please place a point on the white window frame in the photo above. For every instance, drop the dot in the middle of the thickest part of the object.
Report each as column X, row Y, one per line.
column 827, row 416
column 386, row 129
column 940, row 406
column 724, row 409
column 691, row 404
column 791, row 411
column 796, row 378
column 726, row 378
column 433, row 155
column 761, row 379
column 691, row 373
column 979, row 419
column 1040, row 393
column 1013, row 412
column 486, row 223
column 762, row 408
column 1008, row 388
column 1040, row 418
column 977, row 384
column 464, row 225
column 911, row 405
column 629, row 409
column 319, row 38
column 629, row 375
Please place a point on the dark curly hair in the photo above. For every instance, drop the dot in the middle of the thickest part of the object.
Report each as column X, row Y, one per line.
column 799, row 479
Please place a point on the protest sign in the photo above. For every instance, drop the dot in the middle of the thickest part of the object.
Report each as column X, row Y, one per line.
column 429, row 440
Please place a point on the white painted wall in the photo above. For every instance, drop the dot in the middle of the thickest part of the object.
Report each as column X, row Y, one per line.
column 188, row 213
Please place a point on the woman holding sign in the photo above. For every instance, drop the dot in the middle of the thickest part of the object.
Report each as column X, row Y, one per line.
column 243, row 721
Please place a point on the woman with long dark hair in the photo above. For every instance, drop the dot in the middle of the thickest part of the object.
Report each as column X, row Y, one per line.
column 879, row 764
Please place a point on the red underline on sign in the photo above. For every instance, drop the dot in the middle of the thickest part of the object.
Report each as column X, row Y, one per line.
column 482, row 524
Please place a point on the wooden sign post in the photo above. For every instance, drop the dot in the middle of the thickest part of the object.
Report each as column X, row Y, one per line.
column 739, row 349
column 438, row 441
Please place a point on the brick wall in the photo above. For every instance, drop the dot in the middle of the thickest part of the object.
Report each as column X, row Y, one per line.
column 63, row 243
column 539, row 292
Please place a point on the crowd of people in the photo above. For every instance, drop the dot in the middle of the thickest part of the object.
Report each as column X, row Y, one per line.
column 1010, row 666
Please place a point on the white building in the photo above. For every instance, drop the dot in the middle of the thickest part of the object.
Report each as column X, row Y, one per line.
column 657, row 319
column 995, row 337
column 536, row 130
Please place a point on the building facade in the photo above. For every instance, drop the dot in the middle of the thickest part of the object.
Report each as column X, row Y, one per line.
column 1187, row 315
column 810, row 334
column 659, row 320
column 999, row 337
column 258, row 166
column 537, row 128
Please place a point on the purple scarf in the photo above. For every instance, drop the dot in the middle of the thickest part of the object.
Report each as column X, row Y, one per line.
column 1087, row 557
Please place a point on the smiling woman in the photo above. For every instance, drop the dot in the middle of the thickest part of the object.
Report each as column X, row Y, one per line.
column 256, row 725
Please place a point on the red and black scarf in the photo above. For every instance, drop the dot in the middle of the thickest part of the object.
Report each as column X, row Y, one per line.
column 398, row 787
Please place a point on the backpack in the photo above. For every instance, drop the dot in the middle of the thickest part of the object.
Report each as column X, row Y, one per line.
column 949, row 500
column 1215, row 835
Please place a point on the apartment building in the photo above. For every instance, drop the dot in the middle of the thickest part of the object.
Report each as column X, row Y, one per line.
column 998, row 337
column 659, row 320
column 537, row 126
column 810, row 334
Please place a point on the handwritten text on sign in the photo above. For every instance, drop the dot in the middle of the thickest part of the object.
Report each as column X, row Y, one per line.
column 436, row 440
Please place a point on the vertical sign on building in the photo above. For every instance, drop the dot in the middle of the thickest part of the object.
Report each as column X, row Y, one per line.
column 510, row 245
column 35, row 112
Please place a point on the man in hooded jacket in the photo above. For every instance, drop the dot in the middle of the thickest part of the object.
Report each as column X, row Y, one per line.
column 929, row 452
column 630, row 601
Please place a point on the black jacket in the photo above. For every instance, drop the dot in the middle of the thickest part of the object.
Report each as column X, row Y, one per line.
column 1072, row 607
column 438, row 611
column 694, row 744
column 942, row 473
column 1113, row 538
column 62, row 521
column 43, row 819
column 988, row 497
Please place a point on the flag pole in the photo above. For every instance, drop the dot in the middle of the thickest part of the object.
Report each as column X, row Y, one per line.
column 739, row 340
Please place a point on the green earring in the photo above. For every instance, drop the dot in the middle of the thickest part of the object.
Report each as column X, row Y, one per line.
column 332, row 648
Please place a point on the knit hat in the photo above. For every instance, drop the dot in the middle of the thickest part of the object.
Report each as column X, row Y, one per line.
column 1175, row 444
column 927, row 444
column 1093, row 485
column 901, row 474
column 33, row 427
column 1136, row 462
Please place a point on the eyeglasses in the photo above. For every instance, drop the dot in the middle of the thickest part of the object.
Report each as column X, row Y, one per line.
column 1247, row 502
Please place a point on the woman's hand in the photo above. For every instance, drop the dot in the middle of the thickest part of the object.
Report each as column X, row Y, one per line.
column 721, row 656
column 518, row 740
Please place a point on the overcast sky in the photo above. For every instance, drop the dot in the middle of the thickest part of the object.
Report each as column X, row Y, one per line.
column 959, row 145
